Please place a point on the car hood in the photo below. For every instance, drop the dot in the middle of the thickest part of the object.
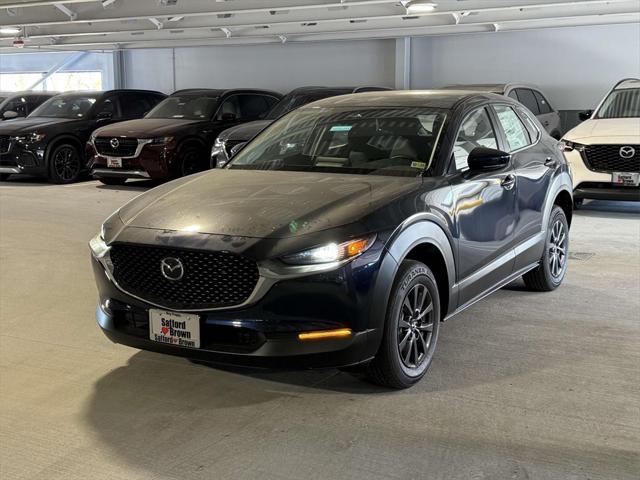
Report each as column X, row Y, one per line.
column 245, row 131
column 262, row 204
column 610, row 130
column 31, row 124
column 145, row 127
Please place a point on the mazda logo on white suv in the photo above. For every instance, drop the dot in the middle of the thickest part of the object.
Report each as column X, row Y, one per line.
column 627, row 152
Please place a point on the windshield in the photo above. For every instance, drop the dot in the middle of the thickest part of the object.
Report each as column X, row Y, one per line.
column 389, row 141
column 2, row 99
column 292, row 101
column 188, row 107
column 623, row 103
column 65, row 107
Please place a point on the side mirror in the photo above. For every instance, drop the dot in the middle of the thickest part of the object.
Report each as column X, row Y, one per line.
column 228, row 117
column 483, row 159
column 104, row 116
column 234, row 151
column 586, row 115
column 9, row 114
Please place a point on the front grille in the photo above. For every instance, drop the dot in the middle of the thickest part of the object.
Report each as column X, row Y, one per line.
column 607, row 158
column 5, row 144
column 124, row 147
column 211, row 279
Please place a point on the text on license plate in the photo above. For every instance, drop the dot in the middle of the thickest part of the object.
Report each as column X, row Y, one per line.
column 626, row 178
column 114, row 162
column 174, row 328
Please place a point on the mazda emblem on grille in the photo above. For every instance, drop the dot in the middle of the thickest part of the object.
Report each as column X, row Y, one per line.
column 115, row 143
column 171, row 268
column 627, row 152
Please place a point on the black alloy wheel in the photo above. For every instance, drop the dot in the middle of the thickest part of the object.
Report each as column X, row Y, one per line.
column 65, row 165
column 411, row 328
column 550, row 273
column 191, row 161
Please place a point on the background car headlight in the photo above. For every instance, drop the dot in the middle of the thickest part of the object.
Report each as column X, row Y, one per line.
column 331, row 252
column 98, row 246
column 29, row 138
column 567, row 146
column 161, row 140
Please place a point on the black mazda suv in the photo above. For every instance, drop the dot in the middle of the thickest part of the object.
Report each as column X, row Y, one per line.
column 342, row 235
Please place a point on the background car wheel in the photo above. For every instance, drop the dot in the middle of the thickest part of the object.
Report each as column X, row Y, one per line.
column 4, row 177
column 553, row 264
column 65, row 164
column 192, row 160
column 113, row 180
column 577, row 203
column 411, row 328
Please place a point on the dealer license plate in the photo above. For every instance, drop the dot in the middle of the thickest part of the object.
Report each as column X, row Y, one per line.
column 173, row 328
column 631, row 179
column 114, row 162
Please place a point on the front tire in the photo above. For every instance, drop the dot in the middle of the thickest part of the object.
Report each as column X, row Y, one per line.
column 4, row 177
column 191, row 161
column 411, row 328
column 553, row 265
column 65, row 165
column 112, row 180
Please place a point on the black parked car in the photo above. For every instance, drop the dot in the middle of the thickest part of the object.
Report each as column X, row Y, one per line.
column 237, row 136
column 175, row 138
column 20, row 104
column 50, row 142
column 341, row 235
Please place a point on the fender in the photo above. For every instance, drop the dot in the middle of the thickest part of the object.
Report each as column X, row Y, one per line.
column 416, row 230
column 562, row 182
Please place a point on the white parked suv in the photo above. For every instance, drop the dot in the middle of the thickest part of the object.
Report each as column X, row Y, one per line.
column 604, row 150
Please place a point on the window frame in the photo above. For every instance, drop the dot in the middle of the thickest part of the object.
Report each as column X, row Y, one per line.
column 503, row 133
column 535, row 94
column 535, row 101
column 451, row 168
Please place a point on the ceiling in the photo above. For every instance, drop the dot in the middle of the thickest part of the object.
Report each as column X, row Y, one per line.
column 119, row 24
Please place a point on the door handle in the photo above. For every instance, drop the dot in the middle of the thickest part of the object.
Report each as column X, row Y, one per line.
column 546, row 123
column 508, row 182
column 550, row 162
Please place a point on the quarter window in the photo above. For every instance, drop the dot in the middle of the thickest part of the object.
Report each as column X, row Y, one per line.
column 515, row 132
column 476, row 131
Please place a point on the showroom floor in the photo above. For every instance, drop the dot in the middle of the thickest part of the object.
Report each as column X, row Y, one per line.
column 524, row 385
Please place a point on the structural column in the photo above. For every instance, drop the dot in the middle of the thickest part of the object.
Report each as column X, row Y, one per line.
column 403, row 63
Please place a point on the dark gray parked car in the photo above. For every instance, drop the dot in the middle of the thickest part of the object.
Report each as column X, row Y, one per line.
column 21, row 104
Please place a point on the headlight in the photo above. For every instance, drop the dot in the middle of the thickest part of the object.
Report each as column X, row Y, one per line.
column 567, row 146
column 218, row 147
column 98, row 246
column 29, row 138
column 331, row 252
column 161, row 140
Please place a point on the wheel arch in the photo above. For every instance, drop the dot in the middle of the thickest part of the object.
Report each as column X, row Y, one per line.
column 560, row 193
column 60, row 140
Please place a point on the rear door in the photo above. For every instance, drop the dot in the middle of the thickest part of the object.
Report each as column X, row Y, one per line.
column 534, row 169
column 484, row 208
column 548, row 117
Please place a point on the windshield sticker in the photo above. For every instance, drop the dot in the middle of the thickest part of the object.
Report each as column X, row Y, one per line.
column 341, row 128
column 420, row 165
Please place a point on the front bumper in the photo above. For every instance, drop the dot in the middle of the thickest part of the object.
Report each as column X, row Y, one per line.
column 588, row 184
column 265, row 332
column 24, row 158
column 152, row 162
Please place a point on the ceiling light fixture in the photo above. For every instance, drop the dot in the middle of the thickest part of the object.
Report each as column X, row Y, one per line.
column 418, row 6
column 9, row 30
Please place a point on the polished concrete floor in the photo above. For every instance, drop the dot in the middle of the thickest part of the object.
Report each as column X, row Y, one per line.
column 523, row 386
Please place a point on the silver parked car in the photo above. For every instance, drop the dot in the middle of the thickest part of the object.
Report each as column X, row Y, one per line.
column 530, row 96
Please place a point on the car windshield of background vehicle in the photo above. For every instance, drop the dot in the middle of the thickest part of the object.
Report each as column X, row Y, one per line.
column 65, row 107
column 390, row 141
column 289, row 103
column 623, row 103
column 2, row 99
column 187, row 107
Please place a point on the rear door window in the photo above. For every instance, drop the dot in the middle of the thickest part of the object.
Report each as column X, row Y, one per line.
column 542, row 103
column 528, row 99
column 253, row 106
column 134, row 105
column 515, row 132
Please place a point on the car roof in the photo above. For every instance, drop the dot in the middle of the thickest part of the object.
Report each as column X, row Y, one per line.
column 321, row 89
column 100, row 93
column 446, row 99
column 627, row 83
column 27, row 92
column 490, row 87
column 219, row 92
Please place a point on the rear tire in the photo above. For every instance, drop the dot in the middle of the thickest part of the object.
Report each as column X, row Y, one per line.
column 410, row 330
column 577, row 203
column 113, row 180
column 65, row 164
column 553, row 265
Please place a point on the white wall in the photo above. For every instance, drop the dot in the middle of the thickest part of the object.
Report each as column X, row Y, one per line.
column 575, row 66
column 279, row 67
